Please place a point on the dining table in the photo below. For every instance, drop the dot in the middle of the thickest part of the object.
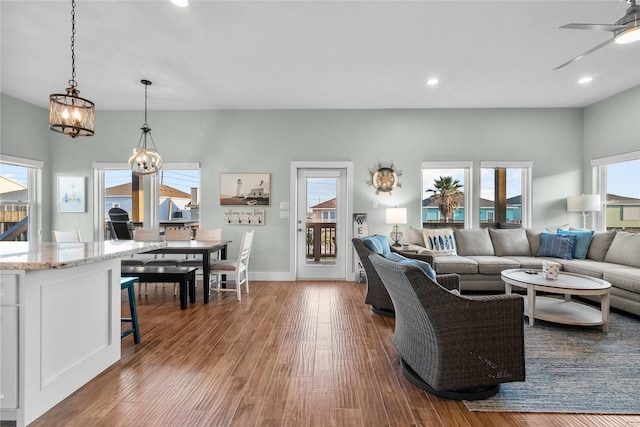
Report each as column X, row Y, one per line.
column 198, row 247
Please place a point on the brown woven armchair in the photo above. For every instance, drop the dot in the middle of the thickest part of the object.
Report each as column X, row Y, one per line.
column 455, row 346
column 377, row 296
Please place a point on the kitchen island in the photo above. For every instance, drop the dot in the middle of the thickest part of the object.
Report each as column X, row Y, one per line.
column 60, row 320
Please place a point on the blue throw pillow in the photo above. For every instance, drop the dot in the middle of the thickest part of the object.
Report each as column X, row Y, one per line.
column 556, row 245
column 377, row 243
column 423, row 265
column 583, row 240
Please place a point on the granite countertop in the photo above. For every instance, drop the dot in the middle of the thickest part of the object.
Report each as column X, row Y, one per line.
column 49, row 255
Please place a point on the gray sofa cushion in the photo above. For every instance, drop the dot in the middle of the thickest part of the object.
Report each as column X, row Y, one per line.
column 455, row 264
column 588, row 267
column 624, row 249
column 510, row 242
column 473, row 242
column 530, row 262
column 624, row 278
column 494, row 264
column 599, row 245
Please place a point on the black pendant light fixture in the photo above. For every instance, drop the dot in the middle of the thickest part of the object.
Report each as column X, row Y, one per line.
column 145, row 161
column 68, row 113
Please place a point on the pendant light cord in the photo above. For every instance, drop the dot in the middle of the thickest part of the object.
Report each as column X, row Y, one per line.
column 73, row 82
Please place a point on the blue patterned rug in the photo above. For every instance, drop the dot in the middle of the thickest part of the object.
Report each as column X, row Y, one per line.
column 575, row 370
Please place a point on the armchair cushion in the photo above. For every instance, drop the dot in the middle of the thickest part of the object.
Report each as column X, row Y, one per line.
column 424, row 266
column 377, row 243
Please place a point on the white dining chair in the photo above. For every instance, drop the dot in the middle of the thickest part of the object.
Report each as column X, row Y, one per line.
column 236, row 271
column 66, row 236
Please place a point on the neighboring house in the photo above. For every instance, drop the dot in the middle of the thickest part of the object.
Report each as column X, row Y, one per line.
column 431, row 210
column 13, row 203
column 171, row 200
column 623, row 212
column 324, row 212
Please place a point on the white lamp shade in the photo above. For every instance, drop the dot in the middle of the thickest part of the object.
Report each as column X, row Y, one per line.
column 396, row 215
column 583, row 203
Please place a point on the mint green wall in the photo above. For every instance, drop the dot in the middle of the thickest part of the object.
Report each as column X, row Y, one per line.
column 611, row 127
column 267, row 141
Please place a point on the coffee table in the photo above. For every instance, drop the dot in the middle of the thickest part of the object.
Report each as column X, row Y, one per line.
column 561, row 310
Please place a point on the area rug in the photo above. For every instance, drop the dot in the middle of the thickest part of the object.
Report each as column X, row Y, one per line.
column 575, row 370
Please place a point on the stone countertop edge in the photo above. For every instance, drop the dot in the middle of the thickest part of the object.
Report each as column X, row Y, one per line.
column 85, row 253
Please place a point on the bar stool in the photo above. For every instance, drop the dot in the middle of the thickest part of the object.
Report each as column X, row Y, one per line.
column 128, row 284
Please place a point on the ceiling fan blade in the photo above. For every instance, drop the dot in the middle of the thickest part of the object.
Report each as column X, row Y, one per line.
column 596, row 27
column 582, row 55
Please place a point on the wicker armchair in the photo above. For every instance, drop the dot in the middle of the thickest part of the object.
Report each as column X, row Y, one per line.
column 451, row 345
column 377, row 296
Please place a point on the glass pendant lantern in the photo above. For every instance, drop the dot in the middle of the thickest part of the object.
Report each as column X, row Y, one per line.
column 145, row 160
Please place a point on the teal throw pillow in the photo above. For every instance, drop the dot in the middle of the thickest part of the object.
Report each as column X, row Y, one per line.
column 583, row 240
column 556, row 245
column 377, row 243
column 423, row 265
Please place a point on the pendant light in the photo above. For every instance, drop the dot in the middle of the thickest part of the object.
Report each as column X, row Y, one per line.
column 145, row 161
column 68, row 113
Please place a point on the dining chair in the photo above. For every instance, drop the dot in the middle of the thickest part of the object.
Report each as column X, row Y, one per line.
column 172, row 235
column 146, row 235
column 202, row 234
column 237, row 269
column 66, row 236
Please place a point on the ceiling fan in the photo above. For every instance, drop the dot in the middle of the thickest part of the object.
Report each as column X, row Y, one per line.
column 625, row 30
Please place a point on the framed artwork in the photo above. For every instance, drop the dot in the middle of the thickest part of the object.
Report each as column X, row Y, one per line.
column 242, row 189
column 71, row 194
column 244, row 216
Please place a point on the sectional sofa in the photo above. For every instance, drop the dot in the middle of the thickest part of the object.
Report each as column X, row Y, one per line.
column 479, row 256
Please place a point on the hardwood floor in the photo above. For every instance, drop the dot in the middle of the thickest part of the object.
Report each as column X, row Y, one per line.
column 288, row 354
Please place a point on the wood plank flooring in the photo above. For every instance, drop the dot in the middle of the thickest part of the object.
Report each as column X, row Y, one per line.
column 288, row 354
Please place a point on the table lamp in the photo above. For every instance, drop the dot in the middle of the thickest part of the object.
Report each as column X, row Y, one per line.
column 396, row 216
column 584, row 203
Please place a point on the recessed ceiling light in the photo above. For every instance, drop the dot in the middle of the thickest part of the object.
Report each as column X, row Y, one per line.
column 180, row 3
column 585, row 80
column 432, row 81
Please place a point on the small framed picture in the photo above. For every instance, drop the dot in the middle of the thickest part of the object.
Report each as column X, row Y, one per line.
column 245, row 189
column 71, row 194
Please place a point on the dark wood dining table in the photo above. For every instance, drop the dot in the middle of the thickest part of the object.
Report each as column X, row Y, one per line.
column 201, row 247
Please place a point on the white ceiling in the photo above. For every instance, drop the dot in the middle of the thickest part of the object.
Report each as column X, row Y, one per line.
column 315, row 54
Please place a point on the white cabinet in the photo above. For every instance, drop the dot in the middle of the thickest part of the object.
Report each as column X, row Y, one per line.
column 9, row 357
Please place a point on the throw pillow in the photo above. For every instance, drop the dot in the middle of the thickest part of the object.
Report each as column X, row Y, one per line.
column 424, row 266
column 583, row 239
column 377, row 243
column 512, row 242
column 556, row 245
column 415, row 237
column 474, row 242
column 440, row 241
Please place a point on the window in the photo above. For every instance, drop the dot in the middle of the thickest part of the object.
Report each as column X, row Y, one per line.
column 173, row 194
column 617, row 178
column 446, row 194
column 20, row 183
column 505, row 193
column 329, row 216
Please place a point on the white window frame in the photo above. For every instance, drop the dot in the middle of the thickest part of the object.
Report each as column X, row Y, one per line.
column 467, row 166
column 527, row 184
column 151, row 197
column 599, row 181
column 34, row 192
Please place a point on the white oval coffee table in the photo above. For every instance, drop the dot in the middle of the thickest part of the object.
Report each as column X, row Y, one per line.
column 561, row 310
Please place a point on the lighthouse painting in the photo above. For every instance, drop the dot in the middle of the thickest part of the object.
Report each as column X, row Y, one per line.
column 242, row 189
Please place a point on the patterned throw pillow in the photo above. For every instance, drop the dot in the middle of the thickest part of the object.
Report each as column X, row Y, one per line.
column 440, row 241
column 556, row 245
